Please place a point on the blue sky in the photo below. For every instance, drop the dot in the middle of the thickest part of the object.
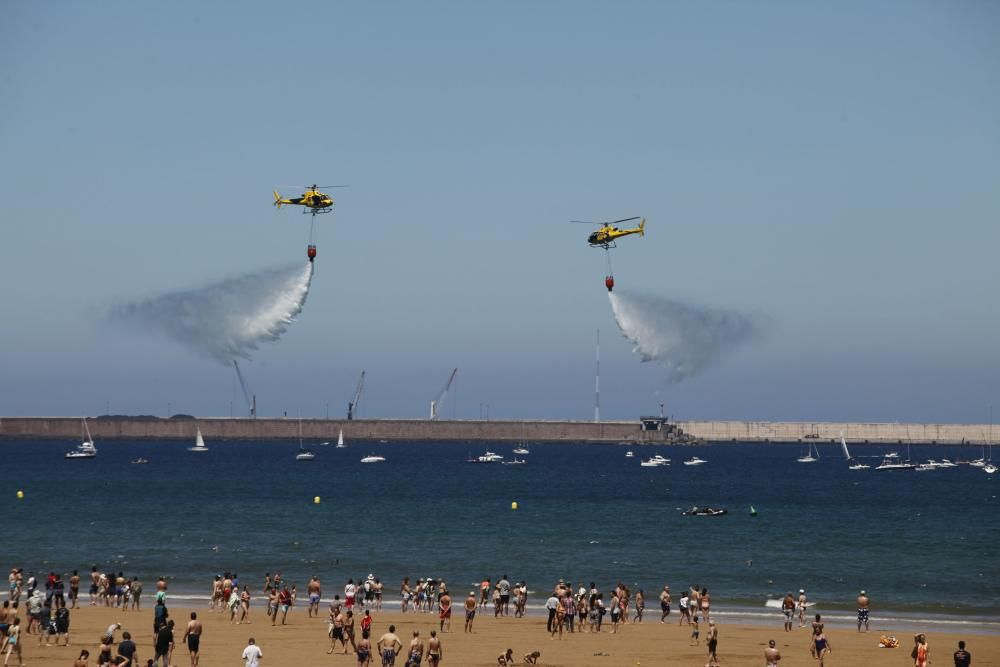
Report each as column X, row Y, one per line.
column 833, row 166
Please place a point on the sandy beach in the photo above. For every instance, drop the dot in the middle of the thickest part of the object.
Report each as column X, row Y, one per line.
column 303, row 641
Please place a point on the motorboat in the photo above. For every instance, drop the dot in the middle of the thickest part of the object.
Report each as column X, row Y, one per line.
column 924, row 467
column 705, row 511
column 989, row 468
column 808, row 457
column 655, row 462
column 140, row 462
column 86, row 449
column 894, row 464
column 373, row 458
column 858, row 465
column 488, row 457
column 629, row 454
column 892, row 455
column 695, row 461
column 340, row 440
column 515, row 462
column 199, row 444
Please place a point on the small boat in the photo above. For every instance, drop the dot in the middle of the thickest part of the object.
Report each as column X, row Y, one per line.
column 808, row 456
column 304, row 454
column 695, row 461
column 629, row 454
column 655, row 462
column 140, row 462
column 488, row 457
column 705, row 511
column 515, row 462
column 199, row 443
column 855, row 464
column 340, row 440
column 924, row 467
column 373, row 458
column 522, row 450
column 86, row 449
column 894, row 464
column 383, row 442
column 892, row 455
column 753, row 511
column 989, row 468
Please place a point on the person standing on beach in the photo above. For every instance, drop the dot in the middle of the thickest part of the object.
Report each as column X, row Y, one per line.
column 682, row 606
column 788, row 610
column 350, row 591
column 192, row 637
column 802, row 608
column 127, row 650
column 640, row 605
column 315, row 591
column 551, row 604
column 484, row 593
column 822, row 647
column 664, row 604
column 13, row 641
column 560, row 618
column 712, row 639
column 504, row 587
column 365, row 649
column 415, row 653
column 434, row 650
column 95, row 578
column 388, row 646
column 694, row 628
column 863, row 603
column 284, row 602
column 771, row 654
column 962, row 657
column 470, row 610
column 444, row 607
column 164, row 646
column 74, row 590
column 921, row 651
column 136, row 593
column 252, row 655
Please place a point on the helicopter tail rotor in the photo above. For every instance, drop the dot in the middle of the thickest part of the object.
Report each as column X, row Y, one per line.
column 277, row 199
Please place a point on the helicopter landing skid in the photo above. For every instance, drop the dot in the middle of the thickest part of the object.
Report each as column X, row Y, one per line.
column 317, row 211
column 606, row 246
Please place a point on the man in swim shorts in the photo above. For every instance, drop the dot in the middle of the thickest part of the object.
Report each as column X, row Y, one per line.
column 863, row 603
column 444, row 607
column 664, row 604
column 388, row 646
column 315, row 592
column 470, row 610
column 364, row 649
column 788, row 609
column 416, row 650
column 192, row 637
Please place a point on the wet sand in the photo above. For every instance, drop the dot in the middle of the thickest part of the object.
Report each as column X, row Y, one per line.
column 304, row 642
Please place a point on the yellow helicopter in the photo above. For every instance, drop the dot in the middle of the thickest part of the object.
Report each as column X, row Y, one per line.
column 312, row 199
column 606, row 235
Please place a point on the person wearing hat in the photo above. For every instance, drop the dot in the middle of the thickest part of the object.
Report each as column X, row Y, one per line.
column 863, row 602
column 802, row 607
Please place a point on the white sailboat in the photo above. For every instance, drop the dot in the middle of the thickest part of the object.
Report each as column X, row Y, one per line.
column 855, row 465
column 808, row 457
column 340, row 440
column 892, row 462
column 86, row 449
column 304, row 454
column 989, row 468
column 199, row 443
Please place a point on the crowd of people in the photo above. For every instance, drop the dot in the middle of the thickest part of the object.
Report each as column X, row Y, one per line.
column 350, row 622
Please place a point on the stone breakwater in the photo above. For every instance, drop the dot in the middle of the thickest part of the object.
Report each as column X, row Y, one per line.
column 646, row 431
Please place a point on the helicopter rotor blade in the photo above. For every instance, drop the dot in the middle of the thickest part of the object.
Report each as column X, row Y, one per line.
column 586, row 222
column 615, row 222
column 310, row 187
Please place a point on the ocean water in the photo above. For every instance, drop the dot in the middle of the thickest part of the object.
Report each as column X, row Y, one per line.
column 920, row 543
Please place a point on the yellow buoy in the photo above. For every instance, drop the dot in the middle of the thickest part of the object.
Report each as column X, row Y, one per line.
column 316, row 500
column 20, row 495
column 513, row 505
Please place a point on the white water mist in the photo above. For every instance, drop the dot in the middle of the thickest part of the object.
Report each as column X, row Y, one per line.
column 684, row 338
column 225, row 320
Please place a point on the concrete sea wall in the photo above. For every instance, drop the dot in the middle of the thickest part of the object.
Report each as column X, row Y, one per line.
column 135, row 428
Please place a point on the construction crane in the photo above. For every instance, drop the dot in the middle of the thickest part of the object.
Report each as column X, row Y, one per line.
column 251, row 399
column 353, row 405
column 437, row 403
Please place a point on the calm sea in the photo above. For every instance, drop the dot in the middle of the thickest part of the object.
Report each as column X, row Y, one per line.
column 919, row 543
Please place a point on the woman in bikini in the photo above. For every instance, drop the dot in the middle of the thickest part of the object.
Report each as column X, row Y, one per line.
column 706, row 603
column 245, row 605
column 13, row 640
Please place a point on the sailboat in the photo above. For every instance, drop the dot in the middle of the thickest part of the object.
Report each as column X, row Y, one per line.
column 199, row 443
column 522, row 447
column 340, row 440
column 989, row 468
column 86, row 449
column 808, row 457
column 304, row 454
column 856, row 465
